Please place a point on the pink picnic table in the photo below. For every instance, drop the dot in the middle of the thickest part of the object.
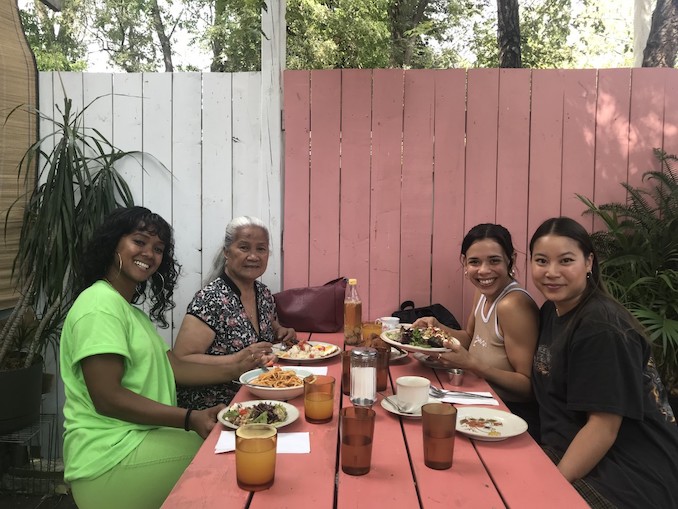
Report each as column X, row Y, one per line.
column 510, row 473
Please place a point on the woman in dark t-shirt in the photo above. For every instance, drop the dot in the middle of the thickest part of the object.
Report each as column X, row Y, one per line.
column 605, row 418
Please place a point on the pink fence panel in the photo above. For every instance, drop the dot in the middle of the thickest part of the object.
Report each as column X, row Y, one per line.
column 387, row 169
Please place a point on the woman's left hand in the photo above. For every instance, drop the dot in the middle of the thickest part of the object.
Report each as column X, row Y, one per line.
column 285, row 333
column 456, row 356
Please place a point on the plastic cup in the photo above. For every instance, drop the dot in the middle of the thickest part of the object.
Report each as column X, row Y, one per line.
column 357, row 431
column 346, row 372
column 318, row 398
column 439, row 422
column 371, row 331
column 255, row 446
column 383, row 360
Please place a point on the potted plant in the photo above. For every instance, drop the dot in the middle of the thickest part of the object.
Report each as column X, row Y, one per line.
column 639, row 260
column 77, row 186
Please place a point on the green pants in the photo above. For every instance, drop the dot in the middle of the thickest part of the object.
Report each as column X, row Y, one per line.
column 145, row 477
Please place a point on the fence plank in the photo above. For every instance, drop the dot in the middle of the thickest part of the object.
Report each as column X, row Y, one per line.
column 448, row 190
column 217, row 182
column 127, row 127
column 354, row 220
column 387, row 128
column 670, row 141
column 324, row 184
column 417, row 187
column 297, row 179
column 513, row 161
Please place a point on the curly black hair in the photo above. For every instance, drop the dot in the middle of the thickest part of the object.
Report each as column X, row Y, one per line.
column 99, row 255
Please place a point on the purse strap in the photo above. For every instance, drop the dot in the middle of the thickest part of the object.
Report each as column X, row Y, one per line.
column 406, row 305
column 334, row 281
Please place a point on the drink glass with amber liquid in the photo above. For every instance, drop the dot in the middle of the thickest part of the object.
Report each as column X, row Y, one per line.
column 255, row 448
column 318, row 398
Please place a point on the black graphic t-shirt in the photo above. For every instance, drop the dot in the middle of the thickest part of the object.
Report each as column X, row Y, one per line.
column 604, row 365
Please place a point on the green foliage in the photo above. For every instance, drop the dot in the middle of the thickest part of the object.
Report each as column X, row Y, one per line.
column 78, row 186
column 56, row 38
column 639, row 258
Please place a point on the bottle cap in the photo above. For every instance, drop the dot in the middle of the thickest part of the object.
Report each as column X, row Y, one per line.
column 352, row 281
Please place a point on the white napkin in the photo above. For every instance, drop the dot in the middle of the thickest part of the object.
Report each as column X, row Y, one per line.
column 292, row 443
column 315, row 370
column 460, row 399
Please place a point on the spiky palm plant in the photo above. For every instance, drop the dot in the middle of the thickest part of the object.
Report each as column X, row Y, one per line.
column 639, row 258
column 77, row 186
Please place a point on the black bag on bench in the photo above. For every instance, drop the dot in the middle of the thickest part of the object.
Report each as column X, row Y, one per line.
column 409, row 314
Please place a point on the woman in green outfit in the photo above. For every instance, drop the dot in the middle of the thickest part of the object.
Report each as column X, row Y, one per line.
column 126, row 442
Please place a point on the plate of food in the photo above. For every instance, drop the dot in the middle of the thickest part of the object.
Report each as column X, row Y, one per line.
column 428, row 360
column 415, row 339
column 279, row 383
column 309, row 351
column 488, row 424
column 261, row 411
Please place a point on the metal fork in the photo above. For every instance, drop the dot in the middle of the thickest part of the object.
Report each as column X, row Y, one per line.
column 436, row 392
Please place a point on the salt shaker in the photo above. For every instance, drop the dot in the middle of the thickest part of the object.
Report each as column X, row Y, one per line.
column 363, row 376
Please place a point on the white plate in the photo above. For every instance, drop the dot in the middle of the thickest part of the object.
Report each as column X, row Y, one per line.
column 392, row 337
column 396, row 355
column 390, row 408
column 292, row 412
column 336, row 351
column 277, row 393
column 425, row 359
column 509, row 425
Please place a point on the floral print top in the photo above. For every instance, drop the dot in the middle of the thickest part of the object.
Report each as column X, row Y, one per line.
column 218, row 305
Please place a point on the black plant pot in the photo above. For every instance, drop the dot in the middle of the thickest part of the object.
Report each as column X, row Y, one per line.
column 20, row 397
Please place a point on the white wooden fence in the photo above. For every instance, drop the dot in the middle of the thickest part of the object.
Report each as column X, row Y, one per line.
column 208, row 155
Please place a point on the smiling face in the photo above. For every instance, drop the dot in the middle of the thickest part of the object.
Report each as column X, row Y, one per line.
column 247, row 256
column 559, row 270
column 139, row 255
column 486, row 266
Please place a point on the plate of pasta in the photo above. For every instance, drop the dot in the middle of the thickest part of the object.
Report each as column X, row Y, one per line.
column 278, row 383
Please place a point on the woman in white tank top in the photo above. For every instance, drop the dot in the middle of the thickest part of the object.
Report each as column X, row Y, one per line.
column 500, row 336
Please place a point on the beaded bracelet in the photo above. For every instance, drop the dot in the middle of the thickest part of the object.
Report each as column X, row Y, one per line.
column 188, row 415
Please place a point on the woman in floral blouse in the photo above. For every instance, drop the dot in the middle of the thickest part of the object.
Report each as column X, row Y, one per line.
column 232, row 319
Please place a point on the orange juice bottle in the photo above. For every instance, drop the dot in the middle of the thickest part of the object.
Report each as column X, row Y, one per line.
column 353, row 314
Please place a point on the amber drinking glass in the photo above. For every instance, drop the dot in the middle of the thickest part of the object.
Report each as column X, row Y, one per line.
column 357, row 431
column 318, row 398
column 255, row 446
column 439, row 421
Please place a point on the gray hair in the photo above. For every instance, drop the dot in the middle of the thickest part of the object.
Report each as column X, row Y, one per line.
column 229, row 236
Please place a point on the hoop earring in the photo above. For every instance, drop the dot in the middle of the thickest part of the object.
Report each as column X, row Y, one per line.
column 119, row 265
column 162, row 290
column 588, row 274
column 466, row 273
column 512, row 273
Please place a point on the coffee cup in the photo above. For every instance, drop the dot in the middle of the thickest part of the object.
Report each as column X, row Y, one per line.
column 388, row 322
column 412, row 392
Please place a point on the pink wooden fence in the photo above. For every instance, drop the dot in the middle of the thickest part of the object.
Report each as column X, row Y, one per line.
column 386, row 170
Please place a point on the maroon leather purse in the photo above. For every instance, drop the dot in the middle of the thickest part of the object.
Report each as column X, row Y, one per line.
column 312, row 309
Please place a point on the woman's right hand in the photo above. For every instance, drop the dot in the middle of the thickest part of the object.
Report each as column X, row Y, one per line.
column 426, row 321
column 202, row 421
column 255, row 355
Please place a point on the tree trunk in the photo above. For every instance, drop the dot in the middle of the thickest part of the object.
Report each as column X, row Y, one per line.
column 662, row 43
column 162, row 36
column 217, row 64
column 508, row 33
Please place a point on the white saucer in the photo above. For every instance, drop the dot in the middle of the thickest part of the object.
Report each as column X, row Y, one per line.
column 386, row 405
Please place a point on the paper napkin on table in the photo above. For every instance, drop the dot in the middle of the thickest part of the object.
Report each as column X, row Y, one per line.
column 460, row 399
column 293, row 443
column 315, row 370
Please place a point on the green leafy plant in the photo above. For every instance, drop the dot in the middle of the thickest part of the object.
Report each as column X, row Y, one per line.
column 77, row 186
column 639, row 258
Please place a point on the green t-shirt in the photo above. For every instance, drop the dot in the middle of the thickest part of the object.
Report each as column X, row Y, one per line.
column 101, row 321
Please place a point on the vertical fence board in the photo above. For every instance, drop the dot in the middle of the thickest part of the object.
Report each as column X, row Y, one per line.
column 354, row 220
column 448, row 189
column 612, row 136
column 513, row 160
column 217, row 182
column 186, row 149
column 387, row 128
column 670, row 141
column 297, row 179
column 645, row 125
column 98, row 99
column 416, row 221
column 127, row 127
column 325, row 186
column 579, row 124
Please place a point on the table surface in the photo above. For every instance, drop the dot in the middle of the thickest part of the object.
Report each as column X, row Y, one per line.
column 509, row 473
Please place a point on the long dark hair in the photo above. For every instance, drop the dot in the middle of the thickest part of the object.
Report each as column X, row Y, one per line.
column 494, row 232
column 595, row 286
column 99, row 255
